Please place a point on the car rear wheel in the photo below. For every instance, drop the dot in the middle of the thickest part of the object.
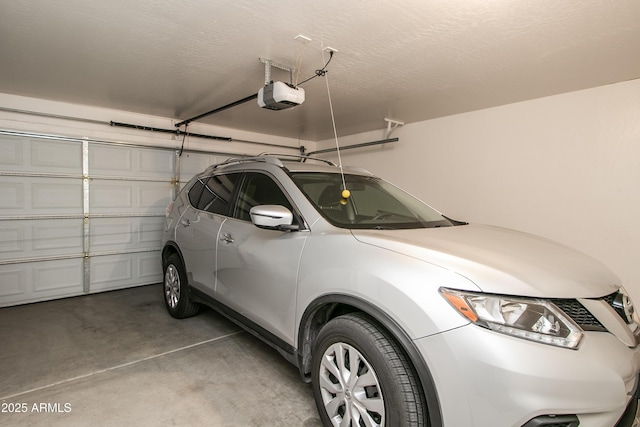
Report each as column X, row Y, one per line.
column 176, row 291
column 362, row 378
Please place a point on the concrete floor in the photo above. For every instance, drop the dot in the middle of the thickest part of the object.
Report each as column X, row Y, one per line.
column 118, row 358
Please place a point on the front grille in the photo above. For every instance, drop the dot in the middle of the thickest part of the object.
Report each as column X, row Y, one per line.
column 579, row 314
column 583, row 317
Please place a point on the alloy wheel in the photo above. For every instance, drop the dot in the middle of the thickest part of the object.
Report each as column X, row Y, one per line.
column 172, row 286
column 350, row 388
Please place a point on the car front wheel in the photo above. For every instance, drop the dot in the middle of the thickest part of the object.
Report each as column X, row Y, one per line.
column 362, row 378
column 176, row 291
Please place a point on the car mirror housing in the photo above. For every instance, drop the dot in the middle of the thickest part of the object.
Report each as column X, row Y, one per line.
column 272, row 217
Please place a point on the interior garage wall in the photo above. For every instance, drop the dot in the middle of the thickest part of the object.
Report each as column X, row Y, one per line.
column 566, row 167
column 83, row 202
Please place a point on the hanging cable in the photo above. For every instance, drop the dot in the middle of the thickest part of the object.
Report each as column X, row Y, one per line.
column 186, row 132
column 345, row 194
column 322, row 71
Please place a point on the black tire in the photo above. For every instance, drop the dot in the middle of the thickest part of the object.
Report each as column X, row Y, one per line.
column 176, row 290
column 387, row 390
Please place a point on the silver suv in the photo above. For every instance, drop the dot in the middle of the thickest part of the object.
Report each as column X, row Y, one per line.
column 398, row 315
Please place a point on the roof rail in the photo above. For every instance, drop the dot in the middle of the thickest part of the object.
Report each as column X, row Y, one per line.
column 260, row 158
column 299, row 157
column 271, row 158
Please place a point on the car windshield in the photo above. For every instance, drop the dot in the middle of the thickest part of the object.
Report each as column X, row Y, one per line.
column 372, row 204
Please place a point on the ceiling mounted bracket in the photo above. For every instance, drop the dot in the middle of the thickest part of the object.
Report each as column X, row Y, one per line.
column 267, row 70
column 390, row 123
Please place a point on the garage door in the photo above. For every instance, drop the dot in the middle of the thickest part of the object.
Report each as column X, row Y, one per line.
column 80, row 216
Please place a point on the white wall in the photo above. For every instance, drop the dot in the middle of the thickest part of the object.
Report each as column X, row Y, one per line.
column 565, row 167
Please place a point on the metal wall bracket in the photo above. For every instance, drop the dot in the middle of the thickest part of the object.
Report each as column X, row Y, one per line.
column 395, row 124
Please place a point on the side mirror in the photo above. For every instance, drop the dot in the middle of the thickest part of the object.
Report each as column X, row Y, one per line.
column 273, row 217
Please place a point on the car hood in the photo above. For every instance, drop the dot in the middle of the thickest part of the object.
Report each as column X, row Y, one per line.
column 499, row 260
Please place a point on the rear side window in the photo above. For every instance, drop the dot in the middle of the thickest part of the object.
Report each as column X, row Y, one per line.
column 195, row 192
column 213, row 194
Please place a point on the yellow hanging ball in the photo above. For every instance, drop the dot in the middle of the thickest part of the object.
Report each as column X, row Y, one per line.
column 346, row 194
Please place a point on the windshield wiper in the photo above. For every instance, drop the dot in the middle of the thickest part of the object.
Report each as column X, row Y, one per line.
column 456, row 222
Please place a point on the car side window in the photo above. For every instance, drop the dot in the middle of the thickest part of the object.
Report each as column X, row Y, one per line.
column 258, row 189
column 195, row 192
column 213, row 194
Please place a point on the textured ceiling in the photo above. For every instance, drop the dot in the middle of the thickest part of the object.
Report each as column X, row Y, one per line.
column 409, row 60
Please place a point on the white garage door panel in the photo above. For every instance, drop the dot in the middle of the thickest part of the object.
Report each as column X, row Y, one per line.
column 125, row 234
column 40, row 196
column 61, row 196
column 56, row 156
column 40, row 155
column 12, row 282
column 11, row 153
column 129, row 197
column 11, row 240
column 12, row 194
column 49, row 277
column 40, row 281
column 25, row 239
column 122, row 271
column 131, row 162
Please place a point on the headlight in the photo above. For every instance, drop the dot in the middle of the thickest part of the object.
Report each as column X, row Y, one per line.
column 531, row 319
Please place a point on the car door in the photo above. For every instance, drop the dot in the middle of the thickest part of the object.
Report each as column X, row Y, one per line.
column 199, row 226
column 257, row 268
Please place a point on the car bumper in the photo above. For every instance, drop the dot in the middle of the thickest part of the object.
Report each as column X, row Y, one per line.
column 485, row 378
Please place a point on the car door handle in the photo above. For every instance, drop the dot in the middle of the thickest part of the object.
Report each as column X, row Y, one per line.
column 226, row 238
column 185, row 222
